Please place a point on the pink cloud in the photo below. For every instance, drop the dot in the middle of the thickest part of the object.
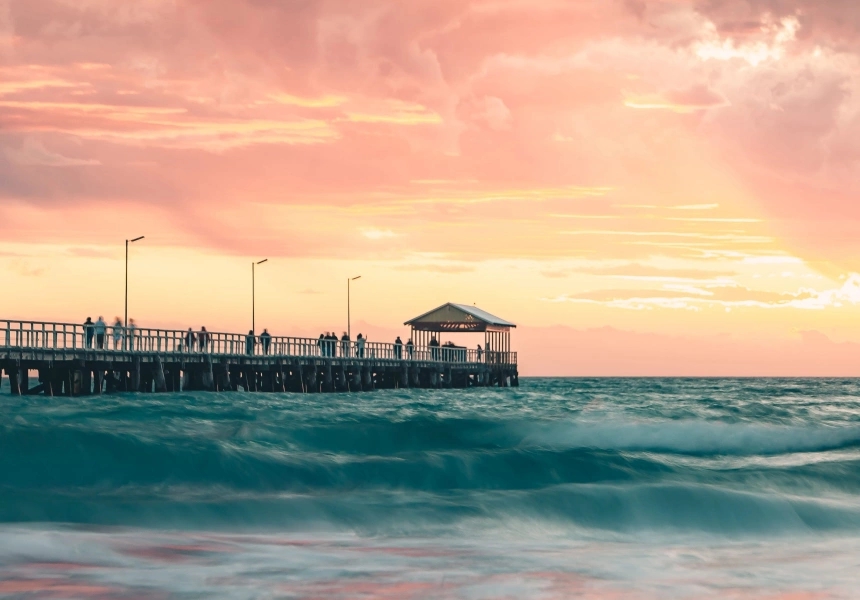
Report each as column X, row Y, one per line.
column 319, row 120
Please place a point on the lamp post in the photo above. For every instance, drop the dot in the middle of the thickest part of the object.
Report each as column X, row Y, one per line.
column 348, row 317
column 254, row 295
column 137, row 239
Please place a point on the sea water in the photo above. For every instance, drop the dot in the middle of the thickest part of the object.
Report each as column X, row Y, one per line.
column 563, row 488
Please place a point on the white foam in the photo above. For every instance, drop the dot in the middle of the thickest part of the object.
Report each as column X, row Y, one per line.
column 693, row 437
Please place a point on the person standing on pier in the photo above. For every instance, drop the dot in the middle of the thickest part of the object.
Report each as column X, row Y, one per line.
column 480, row 352
column 101, row 328
column 410, row 348
column 332, row 344
column 203, row 339
column 344, row 345
column 189, row 340
column 434, row 348
column 398, row 348
column 250, row 342
column 359, row 342
column 132, row 327
column 117, row 333
column 265, row 340
column 89, row 331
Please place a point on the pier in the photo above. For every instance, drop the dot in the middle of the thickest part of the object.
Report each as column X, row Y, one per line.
column 64, row 359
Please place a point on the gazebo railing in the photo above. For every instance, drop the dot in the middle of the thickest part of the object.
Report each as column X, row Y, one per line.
column 33, row 335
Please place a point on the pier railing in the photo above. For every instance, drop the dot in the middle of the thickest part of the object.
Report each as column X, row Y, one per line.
column 33, row 335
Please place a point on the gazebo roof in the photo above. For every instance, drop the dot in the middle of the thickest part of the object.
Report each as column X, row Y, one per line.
column 459, row 317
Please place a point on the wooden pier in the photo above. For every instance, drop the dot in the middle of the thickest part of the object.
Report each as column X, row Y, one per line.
column 72, row 360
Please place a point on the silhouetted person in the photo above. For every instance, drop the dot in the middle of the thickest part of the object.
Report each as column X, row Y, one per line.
column 250, row 342
column 480, row 353
column 344, row 345
column 410, row 347
column 398, row 348
column 332, row 344
column 189, row 340
column 132, row 327
column 265, row 340
column 434, row 348
column 89, row 331
column 321, row 344
column 117, row 333
column 101, row 328
column 203, row 339
column 359, row 344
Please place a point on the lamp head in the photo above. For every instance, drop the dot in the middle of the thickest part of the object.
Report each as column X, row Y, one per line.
column 137, row 239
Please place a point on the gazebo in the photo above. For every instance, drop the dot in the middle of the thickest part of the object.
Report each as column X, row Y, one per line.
column 462, row 318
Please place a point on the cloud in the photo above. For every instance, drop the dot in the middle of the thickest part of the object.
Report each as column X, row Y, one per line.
column 24, row 268
column 396, row 112
column 90, row 253
column 451, row 269
column 694, row 295
column 696, row 98
column 338, row 105
column 722, row 294
column 379, row 234
column 695, row 207
column 489, row 111
column 34, row 154
column 321, row 102
column 639, row 270
column 772, row 260
column 769, row 45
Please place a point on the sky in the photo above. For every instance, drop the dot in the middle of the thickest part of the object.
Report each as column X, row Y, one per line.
column 646, row 187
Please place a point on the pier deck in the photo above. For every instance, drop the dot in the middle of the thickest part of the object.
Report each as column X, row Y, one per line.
column 66, row 360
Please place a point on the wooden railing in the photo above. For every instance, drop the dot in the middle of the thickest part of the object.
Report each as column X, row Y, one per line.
column 34, row 335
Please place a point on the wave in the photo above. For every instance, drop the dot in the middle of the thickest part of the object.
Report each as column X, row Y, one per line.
column 418, row 454
column 656, row 508
column 695, row 437
column 416, row 464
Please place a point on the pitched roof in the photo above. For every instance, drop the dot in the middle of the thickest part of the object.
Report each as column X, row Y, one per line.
column 469, row 313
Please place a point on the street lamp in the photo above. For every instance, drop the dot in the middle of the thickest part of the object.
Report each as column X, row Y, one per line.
column 348, row 318
column 137, row 239
column 254, row 295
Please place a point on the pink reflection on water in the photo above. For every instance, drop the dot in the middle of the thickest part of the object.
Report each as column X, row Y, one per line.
column 55, row 588
column 177, row 552
column 358, row 589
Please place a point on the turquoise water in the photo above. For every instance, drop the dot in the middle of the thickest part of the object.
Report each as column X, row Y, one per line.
column 618, row 488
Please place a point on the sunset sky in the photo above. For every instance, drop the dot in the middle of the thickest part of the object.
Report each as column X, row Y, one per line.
column 644, row 186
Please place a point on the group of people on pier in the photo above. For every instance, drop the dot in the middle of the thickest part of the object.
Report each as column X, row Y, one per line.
column 203, row 340
column 96, row 333
column 331, row 346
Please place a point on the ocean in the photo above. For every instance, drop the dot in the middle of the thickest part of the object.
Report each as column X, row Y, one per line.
column 562, row 488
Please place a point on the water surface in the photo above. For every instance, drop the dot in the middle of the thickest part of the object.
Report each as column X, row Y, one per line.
column 611, row 488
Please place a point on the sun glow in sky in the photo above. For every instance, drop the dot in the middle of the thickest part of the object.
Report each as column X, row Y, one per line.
column 644, row 186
